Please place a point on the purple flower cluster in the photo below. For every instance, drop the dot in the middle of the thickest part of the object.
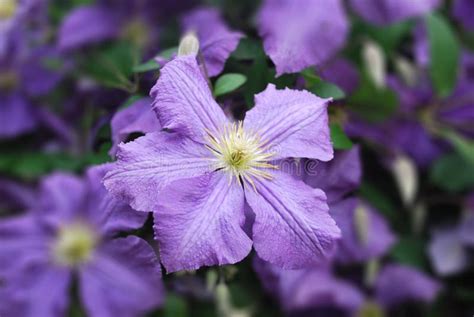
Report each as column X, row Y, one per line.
column 276, row 158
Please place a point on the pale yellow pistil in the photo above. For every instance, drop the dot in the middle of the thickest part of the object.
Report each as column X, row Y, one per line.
column 7, row 8
column 74, row 244
column 240, row 153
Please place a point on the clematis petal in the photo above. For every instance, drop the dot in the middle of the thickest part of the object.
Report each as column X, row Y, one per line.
column 392, row 288
column 137, row 118
column 292, row 228
column 383, row 12
column 200, row 223
column 447, row 254
column 123, row 280
column 17, row 116
column 77, row 30
column 301, row 33
column 183, row 101
column 39, row 290
column 293, row 123
column 146, row 165
column 108, row 213
column 216, row 40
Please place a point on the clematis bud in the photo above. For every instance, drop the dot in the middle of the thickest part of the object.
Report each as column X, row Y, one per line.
column 371, row 272
column 362, row 224
column 224, row 303
column 404, row 171
column 7, row 8
column 371, row 309
column 189, row 44
column 406, row 70
column 374, row 62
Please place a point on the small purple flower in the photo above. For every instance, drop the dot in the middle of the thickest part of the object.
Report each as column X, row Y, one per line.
column 397, row 284
column 198, row 178
column 217, row 42
column 72, row 232
column 302, row 33
column 447, row 252
column 137, row 118
column 384, row 12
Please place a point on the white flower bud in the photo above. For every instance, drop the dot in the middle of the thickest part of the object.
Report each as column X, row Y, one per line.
column 361, row 223
column 7, row 8
column 404, row 171
column 374, row 62
column 406, row 70
column 189, row 44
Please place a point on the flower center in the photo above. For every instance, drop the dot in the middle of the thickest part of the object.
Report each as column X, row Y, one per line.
column 7, row 8
column 240, row 153
column 74, row 244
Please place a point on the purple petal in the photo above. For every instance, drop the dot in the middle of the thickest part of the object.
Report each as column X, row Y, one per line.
column 17, row 116
column 316, row 288
column 301, row 33
column 447, row 254
column 292, row 228
column 216, row 40
column 378, row 238
column 342, row 73
column 183, row 101
column 122, row 281
column 148, row 164
column 337, row 177
column 392, row 287
column 137, row 118
column 466, row 231
column 293, row 123
column 40, row 290
column 108, row 213
column 463, row 11
column 87, row 25
column 383, row 12
column 62, row 198
column 200, row 223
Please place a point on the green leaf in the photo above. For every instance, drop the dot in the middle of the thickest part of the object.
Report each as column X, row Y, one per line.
column 247, row 49
column 410, row 251
column 373, row 103
column 462, row 145
column 452, row 173
column 327, row 90
column 444, row 51
column 175, row 307
column 168, row 53
column 146, row 67
column 340, row 141
column 112, row 66
column 228, row 83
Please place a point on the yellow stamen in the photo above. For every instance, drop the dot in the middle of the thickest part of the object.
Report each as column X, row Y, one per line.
column 240, row 153
column 7, row 8
column 74, row 244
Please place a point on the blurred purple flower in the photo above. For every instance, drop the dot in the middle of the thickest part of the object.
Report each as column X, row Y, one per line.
column 136, row 118
column 397, row 284
column 197, row 179
column 463, row 11
column 216, row 41
column 302, row 33
column 342, row 73
column 384, row 12
column 72, row 230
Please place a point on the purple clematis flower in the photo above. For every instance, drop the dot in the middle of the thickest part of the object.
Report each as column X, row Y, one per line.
column 384, row 12
column 302, row 33
column 198, row 179
column 217, row 42
column 71, row 233
column 137, row 118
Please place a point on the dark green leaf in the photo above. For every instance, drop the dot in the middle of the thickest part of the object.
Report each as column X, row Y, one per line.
column 340, row 141
column 146, row 67
column 373, row 103
column 228, row 83
column 461, row 144
column 175, row 307
column 247, row 49
column 327, row 90
column 410, row 251
column 444, row 51
column 453, row 173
